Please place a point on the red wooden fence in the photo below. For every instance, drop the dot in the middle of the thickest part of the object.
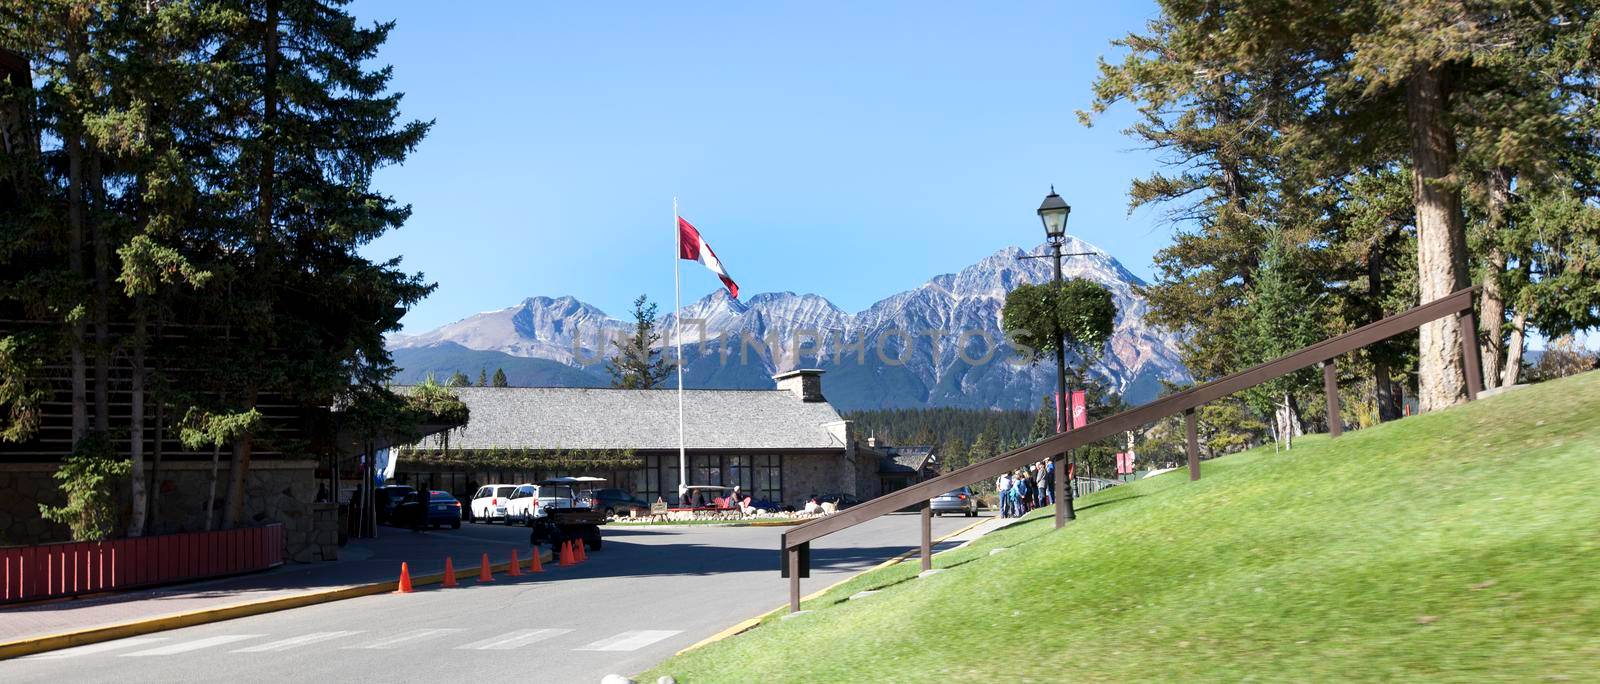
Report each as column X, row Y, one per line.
column 29, row 573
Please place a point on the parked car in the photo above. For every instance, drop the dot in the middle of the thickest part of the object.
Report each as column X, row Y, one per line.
column 389, row 496
column 613, row 501
column 489, row 502
column 956, row 501
column 519, row 505
column 442, row 509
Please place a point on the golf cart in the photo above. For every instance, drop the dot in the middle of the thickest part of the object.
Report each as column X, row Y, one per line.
column 560, row 517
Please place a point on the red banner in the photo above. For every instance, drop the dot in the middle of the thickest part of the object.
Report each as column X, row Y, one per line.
column 1124, row 462
column 1080, row 410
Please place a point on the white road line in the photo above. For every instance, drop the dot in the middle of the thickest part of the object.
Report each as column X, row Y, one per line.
column 506, row 642
column 95, row 648
column 631, row 641
column 292, row 642
column 405, row 637
column 195, row 645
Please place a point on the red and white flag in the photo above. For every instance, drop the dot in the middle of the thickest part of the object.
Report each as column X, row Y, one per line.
column 694, row 248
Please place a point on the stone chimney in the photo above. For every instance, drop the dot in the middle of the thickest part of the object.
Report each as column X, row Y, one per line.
column 805, row 383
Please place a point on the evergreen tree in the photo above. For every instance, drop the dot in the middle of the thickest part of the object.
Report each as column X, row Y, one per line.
column 1281, row 317
column 483, row 377
column 1044, row 420
column 458, row 379
column 1273, row 112
column 637, row 364
column 499, row 377
column 985, row 447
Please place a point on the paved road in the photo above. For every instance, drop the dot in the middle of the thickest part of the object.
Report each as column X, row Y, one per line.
column 650, row 593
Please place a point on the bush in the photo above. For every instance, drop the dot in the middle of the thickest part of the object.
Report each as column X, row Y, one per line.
column 90, row 478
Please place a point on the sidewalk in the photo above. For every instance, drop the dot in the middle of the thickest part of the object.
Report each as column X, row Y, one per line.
column 362, row 561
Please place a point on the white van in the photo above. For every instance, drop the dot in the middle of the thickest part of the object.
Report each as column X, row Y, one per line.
column 489, row 502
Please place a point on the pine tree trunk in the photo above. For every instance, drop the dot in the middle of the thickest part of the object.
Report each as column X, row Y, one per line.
column 1441, row 235
column 76, row 46
column 1387, row 398
column 1519, row 332
column 211, row 493
column 136, row 425
column 80, row 373
column 1491, row 301
column 155, row 461
column 102, row 298
column 236, row 474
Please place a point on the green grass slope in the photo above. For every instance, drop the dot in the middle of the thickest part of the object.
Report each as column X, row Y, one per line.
column 1462, row 545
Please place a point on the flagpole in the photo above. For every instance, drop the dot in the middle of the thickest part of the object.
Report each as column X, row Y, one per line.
column 677, row 317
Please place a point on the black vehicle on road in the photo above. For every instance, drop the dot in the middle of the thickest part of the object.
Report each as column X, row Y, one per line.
column 614, row 501
column 442, row 509
column 389, row 496
column 561, row 516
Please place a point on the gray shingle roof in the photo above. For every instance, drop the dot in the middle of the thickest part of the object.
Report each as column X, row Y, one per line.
column 591, row 418
column 905, row 459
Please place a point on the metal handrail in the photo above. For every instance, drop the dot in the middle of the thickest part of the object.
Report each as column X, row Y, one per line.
column 795, row 542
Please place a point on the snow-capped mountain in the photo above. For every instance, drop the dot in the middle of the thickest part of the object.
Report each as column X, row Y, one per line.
column 937, row 345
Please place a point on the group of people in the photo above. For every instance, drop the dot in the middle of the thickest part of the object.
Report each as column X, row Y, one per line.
column 1025, row 489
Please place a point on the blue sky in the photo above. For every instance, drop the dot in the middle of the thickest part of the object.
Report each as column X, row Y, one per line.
column 853, row 151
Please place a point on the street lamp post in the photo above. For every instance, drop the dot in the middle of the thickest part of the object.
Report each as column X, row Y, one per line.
column 1053, row 214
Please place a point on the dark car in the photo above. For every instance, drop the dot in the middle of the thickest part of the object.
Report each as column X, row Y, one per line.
column 389, row 496
column 961, row 501
column 443, row 509
column 614, row 501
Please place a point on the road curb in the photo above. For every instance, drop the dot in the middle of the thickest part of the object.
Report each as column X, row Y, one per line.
column 123, row 630
column 746, row 625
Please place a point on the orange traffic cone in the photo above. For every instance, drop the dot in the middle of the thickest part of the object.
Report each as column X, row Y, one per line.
column 516, row 565
column 579, row 547
column 484, row 575
column 449, row 573
column 533, row 563
column 566, row 554
column 405, row 580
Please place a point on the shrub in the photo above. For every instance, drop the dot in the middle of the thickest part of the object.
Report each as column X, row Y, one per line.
column 90, row 478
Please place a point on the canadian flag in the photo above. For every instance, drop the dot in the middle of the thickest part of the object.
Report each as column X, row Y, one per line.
column 694, row 248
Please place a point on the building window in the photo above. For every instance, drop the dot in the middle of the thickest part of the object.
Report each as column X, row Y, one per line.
column 706, row 470
column 741, row 474
column 768, row 474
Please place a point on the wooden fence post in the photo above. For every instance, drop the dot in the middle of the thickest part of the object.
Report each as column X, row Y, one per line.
column 794, row 578
column 1471, row 356
column 1330, row 387
column 927, row 536
column 1192, row 429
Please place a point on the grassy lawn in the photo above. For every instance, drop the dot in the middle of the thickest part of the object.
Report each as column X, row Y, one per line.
column 1462, row 545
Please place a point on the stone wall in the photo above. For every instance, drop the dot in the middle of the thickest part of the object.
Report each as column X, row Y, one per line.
column 23, row 486
column 807, row 474
column 275, row 491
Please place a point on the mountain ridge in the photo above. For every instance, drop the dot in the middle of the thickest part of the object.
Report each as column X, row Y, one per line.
column 938, row 344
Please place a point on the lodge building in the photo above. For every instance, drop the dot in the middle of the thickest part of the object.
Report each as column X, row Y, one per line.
column 784, row 444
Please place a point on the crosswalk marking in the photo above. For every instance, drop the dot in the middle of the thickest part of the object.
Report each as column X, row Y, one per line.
column 292, row 642
column 164, row 646
column 404, row 637
column 511, row 640
column 631, row 641
column 195, row 645
column 95, row 648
